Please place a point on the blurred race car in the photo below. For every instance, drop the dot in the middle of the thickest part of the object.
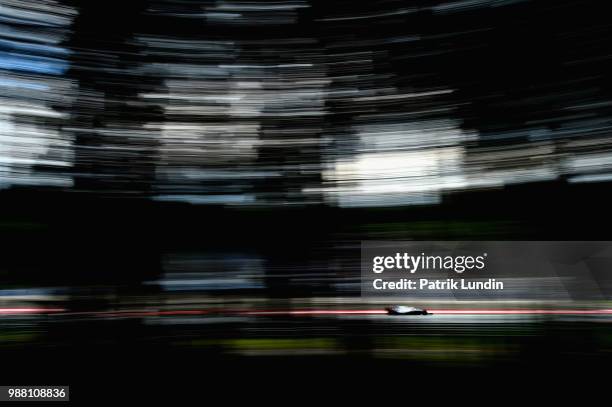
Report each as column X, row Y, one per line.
column 403, row 310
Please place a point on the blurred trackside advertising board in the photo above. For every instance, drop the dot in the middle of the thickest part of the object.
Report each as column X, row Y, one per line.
column 487, row 270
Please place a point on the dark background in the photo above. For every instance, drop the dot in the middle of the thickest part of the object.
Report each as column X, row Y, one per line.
column 182, row 156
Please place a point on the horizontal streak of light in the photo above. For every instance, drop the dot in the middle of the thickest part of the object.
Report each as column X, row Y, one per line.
column 316, row 312
column 440, row 312
column 522, row 312
column 9, row 311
